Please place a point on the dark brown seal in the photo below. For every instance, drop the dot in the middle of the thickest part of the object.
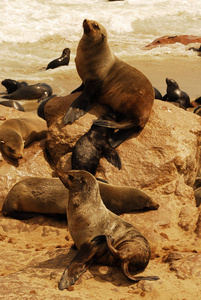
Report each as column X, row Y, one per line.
column 100, row 235
column 13, row 85
column 174, row 94
column 63, row 60
column 112, row 82
column 31, row 92
column 91, row 147
column 34, row 195
column 15, row 134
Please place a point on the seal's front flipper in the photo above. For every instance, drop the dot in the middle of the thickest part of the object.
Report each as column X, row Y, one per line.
column 78, row 265
column 83, row 103
column 79, row 89
column 120, row 136
column 112, row 156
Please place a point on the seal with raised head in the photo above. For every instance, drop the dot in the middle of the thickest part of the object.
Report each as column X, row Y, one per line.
column 63, row 60
column 174, row 94
column 100, row 235
column 110, row 81
column 13, row 85
column 31, row 92
column 15, row 134
column 40, row 195
column 90, row 147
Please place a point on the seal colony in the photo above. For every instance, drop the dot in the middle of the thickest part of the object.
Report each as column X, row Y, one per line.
column 110, row 81
column 100, row 235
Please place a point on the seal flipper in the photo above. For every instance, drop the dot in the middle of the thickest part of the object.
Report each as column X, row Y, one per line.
column 83, row 103
column 112, row 156
column 125, row 263
column 78, row 265
column 120, row 136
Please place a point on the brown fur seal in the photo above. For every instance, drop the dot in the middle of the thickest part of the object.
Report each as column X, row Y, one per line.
column 49, row 196
column 91, row 147
column 112, row 82
column 99, row 235
column 31, row 92
column 15, row 134
column 174, row 94
column 63, row 60
column 13, row 85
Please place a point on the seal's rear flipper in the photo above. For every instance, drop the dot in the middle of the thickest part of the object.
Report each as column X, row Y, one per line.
column 112, row 156
column 78, row 265
column 120, row 136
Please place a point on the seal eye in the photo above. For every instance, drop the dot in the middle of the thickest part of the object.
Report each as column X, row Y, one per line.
column 95, row 25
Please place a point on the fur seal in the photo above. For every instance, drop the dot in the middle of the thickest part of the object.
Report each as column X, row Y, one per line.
column 166, row 40
column 110, row 81
column 15, row 134
column 174, row 94
column 99, row 235
column 13, row 85
column 91, row 147
column 63, row 60
column 31, row 92
column 49, row 196
column 12, row 103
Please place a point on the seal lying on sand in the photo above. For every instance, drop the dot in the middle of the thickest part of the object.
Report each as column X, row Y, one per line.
column 31, row 92
column 174, row 94
column 112, row 82
column 12, row 103
column 13, row 85
column 91, row 147
column 100, row 235
column 63, row 60
column 15, row 134
column 34, row 195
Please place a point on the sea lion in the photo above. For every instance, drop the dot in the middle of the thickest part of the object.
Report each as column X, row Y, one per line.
column 91, row 147
column 12, row 103
column 13, row 85
column 49, row 196
column 99, row 235
column 31, row 92
column 110, row 81
column 15, row 134
column 63, row 60
column 166, row 40
column 174, row 94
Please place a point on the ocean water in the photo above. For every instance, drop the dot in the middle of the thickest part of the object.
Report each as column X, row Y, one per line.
column 35, row 32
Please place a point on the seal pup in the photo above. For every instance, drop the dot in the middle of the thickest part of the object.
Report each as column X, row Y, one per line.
column 13, row 104
column 13, row 85
column 63, row 60
column 31, row 92
column 17, row 133
column 174, row 94
column 99, row 235
column 93, row 145
column 34, row 195
column 110, row 81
